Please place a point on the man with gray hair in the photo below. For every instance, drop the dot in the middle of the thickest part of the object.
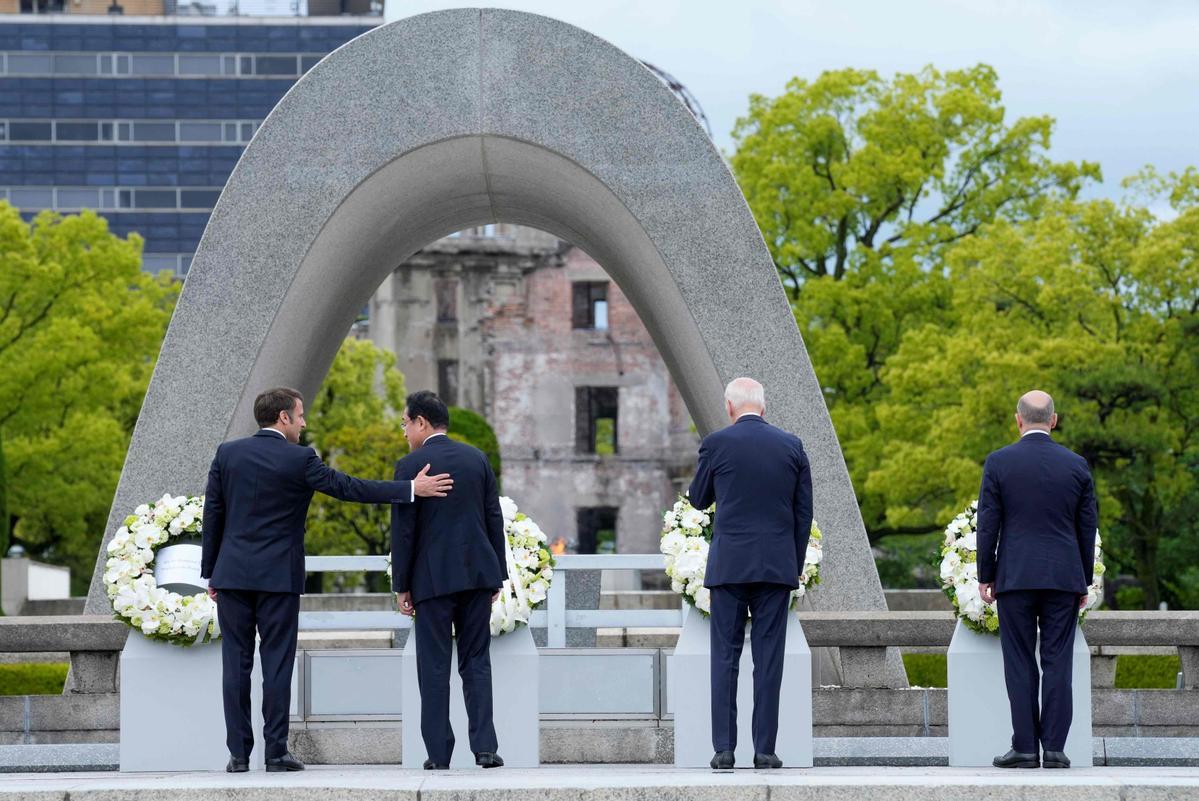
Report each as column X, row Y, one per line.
column 1037, row 523
column 759, row 478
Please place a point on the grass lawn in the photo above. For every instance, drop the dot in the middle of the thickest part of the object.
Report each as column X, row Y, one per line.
column 1132, row 672
column 39, row 678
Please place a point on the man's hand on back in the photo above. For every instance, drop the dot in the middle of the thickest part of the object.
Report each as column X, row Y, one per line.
column 987, row 592
column 427, row 486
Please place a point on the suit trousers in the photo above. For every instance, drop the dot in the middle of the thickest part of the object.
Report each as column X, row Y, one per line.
column 465, row 616
column 1055, row 614
column 275, row 616
column 731, row 604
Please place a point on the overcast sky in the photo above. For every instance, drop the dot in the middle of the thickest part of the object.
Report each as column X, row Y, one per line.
column 1121, row 78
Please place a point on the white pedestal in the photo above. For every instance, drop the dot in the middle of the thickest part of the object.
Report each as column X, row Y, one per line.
column 980, row 719
column 172, row 716
column 515, row 693
column 691, row 694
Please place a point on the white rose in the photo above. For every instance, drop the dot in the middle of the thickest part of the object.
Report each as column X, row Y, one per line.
column 703, row 599
column 689, row 564
column 673, row 543
column 813, row 555
column 693, row 519
column 508, row 508
column 969, row 542
column 950, row 565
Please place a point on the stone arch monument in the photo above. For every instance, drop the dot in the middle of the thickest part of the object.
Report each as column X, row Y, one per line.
column 455, row 119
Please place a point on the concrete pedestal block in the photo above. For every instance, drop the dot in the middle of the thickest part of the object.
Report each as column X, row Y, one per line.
column 691, row 694
column 172, row 716
column 515, row 690
column 980, row 726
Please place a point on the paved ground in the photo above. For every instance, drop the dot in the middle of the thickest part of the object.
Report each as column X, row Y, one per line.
column 618, row 783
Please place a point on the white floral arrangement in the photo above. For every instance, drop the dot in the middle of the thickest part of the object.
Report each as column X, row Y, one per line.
column 686, row 538
column 530, row 569
column 959, row 575
column 136, row 598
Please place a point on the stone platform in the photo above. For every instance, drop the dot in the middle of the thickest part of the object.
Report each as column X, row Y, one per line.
column 618, row 783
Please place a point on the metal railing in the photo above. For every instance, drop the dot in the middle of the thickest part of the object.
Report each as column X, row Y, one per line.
column 554, row 617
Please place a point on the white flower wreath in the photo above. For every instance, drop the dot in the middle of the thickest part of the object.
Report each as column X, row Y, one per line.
column 136, row 598
column 686, row 537
column 529, row 566
column 959, row 575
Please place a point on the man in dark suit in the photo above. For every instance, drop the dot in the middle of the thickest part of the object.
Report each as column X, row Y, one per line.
column 759, row 478
column 448, row 565
column 259, row 488
column 1036, row 526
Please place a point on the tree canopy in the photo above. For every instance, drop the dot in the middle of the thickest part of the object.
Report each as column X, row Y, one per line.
column 80, row 328
column 940, row 264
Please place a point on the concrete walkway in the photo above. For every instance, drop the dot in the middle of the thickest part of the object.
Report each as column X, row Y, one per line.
column 617, row 783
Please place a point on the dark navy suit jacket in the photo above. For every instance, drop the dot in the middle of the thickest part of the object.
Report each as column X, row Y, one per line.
column 1037, row 518
column 440, row 546
column 255, row 505
column 760, row 479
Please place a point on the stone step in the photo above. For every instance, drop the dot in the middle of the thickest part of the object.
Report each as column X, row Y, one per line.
column 619, row 783
column 1161, row 752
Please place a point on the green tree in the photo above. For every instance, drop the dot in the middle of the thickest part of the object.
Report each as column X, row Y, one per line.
column 4, row 522
column 354, row 424
column 861, row 186
column 473, row 429
column 850, row 166
column 1096, row 303
column 80, row 327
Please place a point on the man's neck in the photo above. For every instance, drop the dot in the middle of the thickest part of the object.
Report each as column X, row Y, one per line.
column 434, row 434
column 1044, row 431
column 272, row 428
column 748, row 414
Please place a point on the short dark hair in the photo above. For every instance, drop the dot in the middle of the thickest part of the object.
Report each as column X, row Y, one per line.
column 269, row 404
column 426, row 404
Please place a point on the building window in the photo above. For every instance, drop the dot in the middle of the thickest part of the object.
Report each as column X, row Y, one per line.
column 597, row 529
column 590, row 305
column 595, row 420
column 447, row 381
column 446, row 291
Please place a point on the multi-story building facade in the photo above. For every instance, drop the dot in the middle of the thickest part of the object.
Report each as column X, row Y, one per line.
column 533, row 334
column 142, row 119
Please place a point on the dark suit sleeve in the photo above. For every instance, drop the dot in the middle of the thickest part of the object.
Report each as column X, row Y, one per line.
column 213, row 525
column 803, row 507
column 322, row 478
column 494, row 517
column 1086, row 523
column 403, row 538
column 702, row 493
column 987, row 521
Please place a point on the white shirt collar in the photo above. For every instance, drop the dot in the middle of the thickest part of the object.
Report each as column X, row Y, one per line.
column 1033, row 431
column 273, row 431
column 747, row 414
column 434, row 434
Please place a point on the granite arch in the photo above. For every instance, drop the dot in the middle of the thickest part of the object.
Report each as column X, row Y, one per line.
column 454, row 119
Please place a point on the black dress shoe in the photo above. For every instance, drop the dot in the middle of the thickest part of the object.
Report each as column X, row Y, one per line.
column 767, row 761
column 431, row 765
column 286, row 762
column 487, row 759
column 1015, row 759
column 237, row 765
column 723, row 760
column 1056, row 759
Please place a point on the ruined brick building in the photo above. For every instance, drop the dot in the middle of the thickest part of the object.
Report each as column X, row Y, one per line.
column 533, row 334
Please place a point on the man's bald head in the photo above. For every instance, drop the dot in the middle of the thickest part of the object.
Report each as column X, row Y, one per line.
column 744, row 395
column 1035, row 410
